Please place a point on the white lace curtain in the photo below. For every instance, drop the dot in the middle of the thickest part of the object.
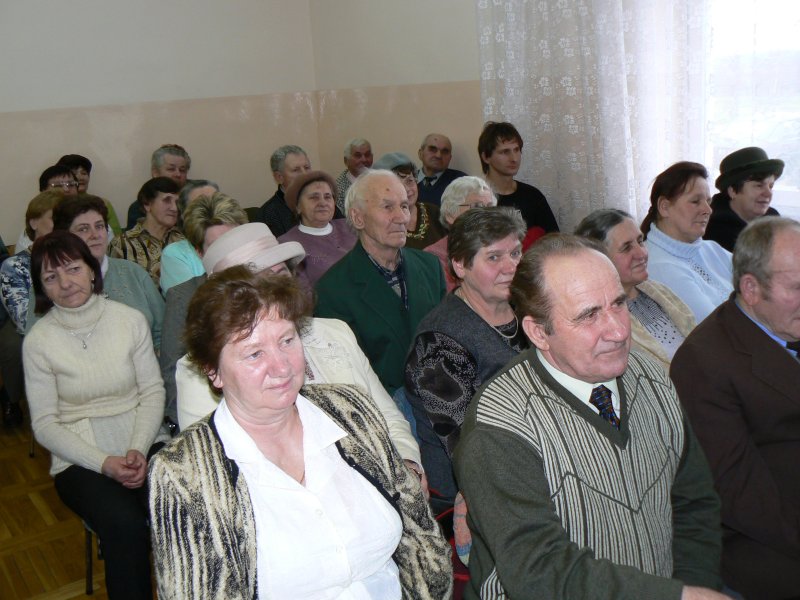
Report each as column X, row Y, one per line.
column 605, row 93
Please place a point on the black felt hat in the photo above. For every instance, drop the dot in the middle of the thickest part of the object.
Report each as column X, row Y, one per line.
column 737, row 166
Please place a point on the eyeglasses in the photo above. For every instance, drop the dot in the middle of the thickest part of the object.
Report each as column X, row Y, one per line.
column 65, row 184
column 476, row 205
column 407, row 178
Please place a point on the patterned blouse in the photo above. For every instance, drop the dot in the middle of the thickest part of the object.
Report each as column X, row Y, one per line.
column 15, row 287
column 139, row 246
column 438, row 360
column 657, row 322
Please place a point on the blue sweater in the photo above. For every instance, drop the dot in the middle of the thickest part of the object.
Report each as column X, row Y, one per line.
column 700, row 273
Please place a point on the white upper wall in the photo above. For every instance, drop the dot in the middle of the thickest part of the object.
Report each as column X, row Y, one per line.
column 362, row 43
column 83, row 53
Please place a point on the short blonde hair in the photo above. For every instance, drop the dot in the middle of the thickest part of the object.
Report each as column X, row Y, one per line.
column 205, row 212
column 40, row 204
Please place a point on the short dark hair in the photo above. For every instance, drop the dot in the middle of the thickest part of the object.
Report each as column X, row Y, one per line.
column 229, row 305
column 155, row 185
column 670, row 184
column 479, row 227
column 596, row 225
column 493, row 134
column 529, row 293
column 738, row 184
column 71, row 207
column 76, row 161
column 55, row 249
column 53, row 171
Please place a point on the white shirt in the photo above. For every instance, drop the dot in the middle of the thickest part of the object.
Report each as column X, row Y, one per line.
column 581, row 389
column 333, row 538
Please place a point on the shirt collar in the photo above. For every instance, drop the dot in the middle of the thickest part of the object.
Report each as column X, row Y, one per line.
column 319, row 431
column 761, row 326
column 580, row 389
column 434, row 178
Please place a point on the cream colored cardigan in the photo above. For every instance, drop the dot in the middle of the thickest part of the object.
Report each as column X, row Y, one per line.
column 676, row 309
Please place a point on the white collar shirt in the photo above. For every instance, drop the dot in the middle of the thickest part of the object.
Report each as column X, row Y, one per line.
column 333, row 537
column 581, row 389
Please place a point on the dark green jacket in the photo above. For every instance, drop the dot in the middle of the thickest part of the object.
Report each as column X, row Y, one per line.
column 354, row 291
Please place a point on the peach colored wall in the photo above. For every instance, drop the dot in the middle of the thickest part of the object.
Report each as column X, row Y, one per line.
column 396, row 118
column 235, row 81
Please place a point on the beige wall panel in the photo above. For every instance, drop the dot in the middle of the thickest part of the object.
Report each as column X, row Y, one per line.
column 364, row 43
column 230, row 139
column 395, row 118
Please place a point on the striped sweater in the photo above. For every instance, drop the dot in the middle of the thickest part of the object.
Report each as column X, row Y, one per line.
column 561, row 505
column 202, row 520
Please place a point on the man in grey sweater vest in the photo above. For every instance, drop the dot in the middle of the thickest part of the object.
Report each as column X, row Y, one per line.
column 581, row 475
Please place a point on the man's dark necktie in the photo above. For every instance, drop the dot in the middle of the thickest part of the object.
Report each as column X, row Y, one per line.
column 428, row 181
column 601, row 399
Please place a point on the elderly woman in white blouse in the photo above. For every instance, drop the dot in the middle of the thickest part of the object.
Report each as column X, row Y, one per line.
column 660, row 321
column 284, row 492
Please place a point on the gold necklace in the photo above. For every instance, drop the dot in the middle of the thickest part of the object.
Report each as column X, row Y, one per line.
column 423, row 223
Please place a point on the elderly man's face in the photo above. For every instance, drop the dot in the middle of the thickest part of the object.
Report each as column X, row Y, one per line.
column 293, row 166
column 778, row 305
column 360, row 159
column 383, row 218
column 174, row 167
column 435, row 154
column 590, row 337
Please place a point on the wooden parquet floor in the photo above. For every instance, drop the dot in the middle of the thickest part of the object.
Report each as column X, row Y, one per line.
column 41, row 541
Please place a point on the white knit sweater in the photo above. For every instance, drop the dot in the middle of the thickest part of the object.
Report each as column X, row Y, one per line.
column 88, row 404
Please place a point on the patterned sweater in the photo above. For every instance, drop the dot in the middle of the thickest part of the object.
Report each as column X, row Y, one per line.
column 203, row 524
column 561, row 505
column 140, row 246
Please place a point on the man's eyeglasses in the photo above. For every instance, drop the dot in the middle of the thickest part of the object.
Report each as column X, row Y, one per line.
column 476, row 205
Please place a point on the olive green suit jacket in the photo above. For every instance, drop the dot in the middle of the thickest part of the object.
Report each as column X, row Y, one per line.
column 354, row 291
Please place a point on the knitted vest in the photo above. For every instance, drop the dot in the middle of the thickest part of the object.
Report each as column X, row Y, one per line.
column 625, row 518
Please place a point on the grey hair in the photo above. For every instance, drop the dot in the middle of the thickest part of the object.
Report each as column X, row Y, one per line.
column 278, row 158
column 455, row 194
column 157, row 159
column 189, row 187
column 430, row 135
column 354, row 143
column 481, row 227
column 753, row 250
column 599, row 223
column 356, row 193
